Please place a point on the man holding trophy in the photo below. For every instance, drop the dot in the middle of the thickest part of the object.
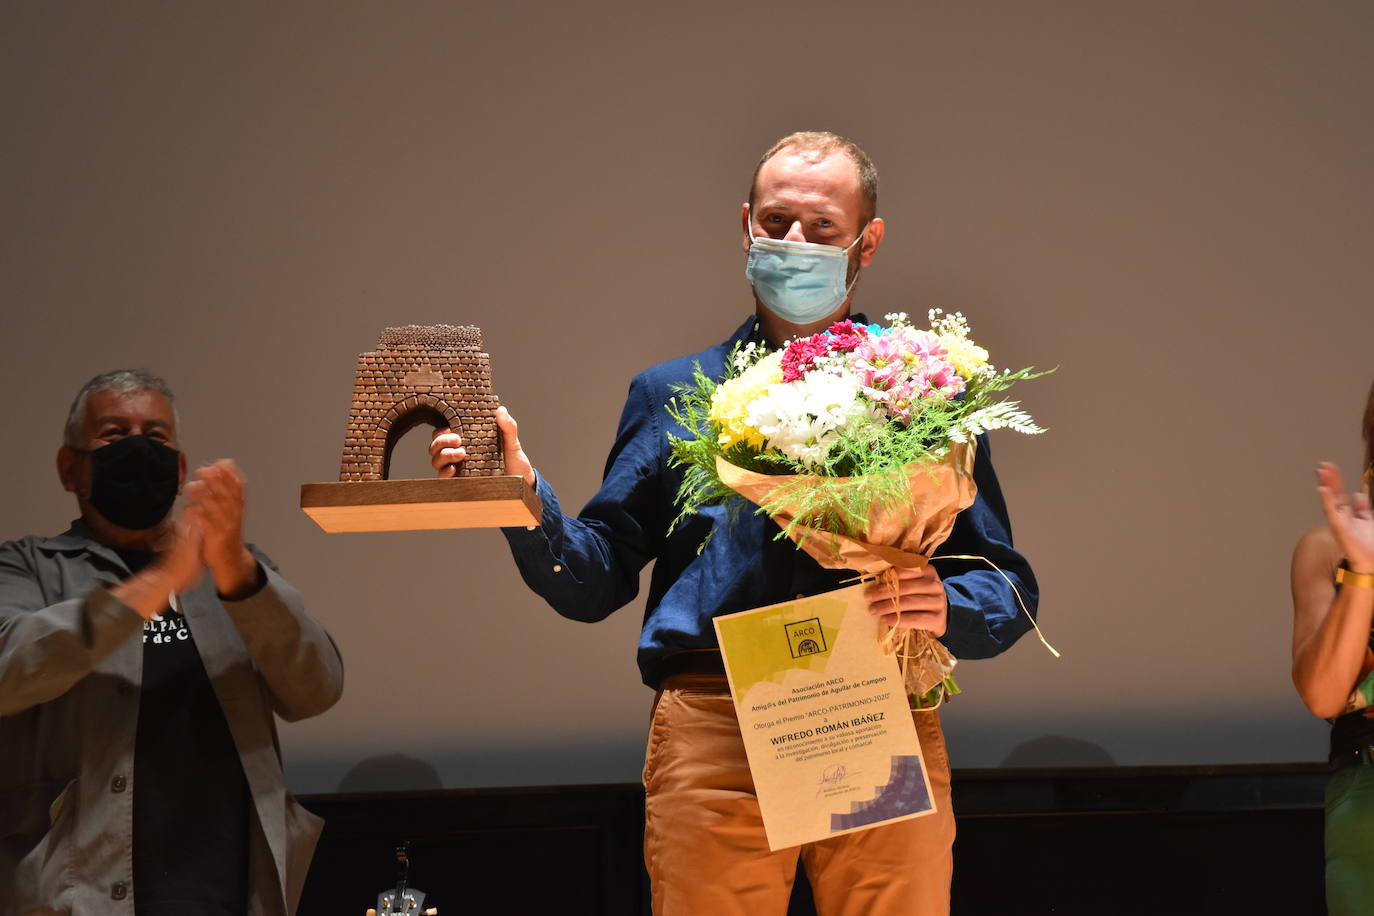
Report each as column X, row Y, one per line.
column 810, row 226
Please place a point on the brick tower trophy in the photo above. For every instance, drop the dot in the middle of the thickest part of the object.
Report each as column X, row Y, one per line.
column 436, row 374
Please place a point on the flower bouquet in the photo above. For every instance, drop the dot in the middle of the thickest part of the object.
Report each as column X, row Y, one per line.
column 859, row 442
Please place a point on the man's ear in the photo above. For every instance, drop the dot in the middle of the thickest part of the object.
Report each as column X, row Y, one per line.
column 66, row 468
column 873, row 237
column 744, row 225
column 181, row 470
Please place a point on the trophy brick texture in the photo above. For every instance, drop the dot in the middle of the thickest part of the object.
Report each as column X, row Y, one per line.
column 436, row 374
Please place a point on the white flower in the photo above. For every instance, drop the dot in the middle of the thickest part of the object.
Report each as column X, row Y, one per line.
column 746, row 356
column 804, row 418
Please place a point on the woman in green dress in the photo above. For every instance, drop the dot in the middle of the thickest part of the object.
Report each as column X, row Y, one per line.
column 1333, row 670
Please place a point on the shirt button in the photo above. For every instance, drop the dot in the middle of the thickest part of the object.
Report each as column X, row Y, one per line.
column 119, row 891
column 557, row 567
column 118, row 784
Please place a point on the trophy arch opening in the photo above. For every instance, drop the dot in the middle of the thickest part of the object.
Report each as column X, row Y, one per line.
column 410, row 413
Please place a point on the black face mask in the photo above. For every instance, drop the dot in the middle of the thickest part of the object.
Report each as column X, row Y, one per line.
column 134, row 481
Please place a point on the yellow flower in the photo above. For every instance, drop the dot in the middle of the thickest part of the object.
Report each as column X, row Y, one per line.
column 968, row 358
column 730, row 402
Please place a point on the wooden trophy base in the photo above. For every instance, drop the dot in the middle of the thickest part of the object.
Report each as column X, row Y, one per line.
column 421, row 505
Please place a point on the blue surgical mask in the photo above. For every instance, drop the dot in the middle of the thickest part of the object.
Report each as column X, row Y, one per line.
column 800, row 282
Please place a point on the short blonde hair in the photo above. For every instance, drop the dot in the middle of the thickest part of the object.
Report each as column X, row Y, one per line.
column 824, row 142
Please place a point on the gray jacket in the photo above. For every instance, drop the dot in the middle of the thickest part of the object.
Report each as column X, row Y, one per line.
column 71, row 660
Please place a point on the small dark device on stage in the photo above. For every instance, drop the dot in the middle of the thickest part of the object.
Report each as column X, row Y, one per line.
column 402, row 899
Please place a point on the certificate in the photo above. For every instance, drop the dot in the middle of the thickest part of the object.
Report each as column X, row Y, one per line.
column 830, row 739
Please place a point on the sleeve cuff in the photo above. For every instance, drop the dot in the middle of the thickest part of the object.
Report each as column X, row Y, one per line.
column 550, row 525
column 257, row 586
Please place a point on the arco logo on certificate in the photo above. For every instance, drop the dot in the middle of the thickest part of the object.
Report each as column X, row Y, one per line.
column 805, row 637
column 830, row 739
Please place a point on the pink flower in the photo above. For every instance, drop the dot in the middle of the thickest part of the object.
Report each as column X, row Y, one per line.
column 880, row 352
column 942, row 378
column 878, row 381
column 801, row 355
column 846, row 336
column 898, row 369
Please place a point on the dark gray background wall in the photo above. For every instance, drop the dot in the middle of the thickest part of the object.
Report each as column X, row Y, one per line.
column 1170, row 201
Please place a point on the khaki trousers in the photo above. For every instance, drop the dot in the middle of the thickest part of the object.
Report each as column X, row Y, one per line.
column 704, row 844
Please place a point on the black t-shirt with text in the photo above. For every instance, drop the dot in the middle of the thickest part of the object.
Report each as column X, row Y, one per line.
column 191, row 816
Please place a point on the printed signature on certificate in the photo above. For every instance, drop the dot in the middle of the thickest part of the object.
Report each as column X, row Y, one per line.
column 833, row 777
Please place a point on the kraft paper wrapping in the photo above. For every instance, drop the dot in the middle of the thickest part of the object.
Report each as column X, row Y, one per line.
column 900, row 536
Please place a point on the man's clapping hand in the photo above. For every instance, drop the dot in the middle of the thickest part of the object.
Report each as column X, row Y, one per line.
column 215, row 507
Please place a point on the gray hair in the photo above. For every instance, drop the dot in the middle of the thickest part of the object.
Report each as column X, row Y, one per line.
column 121, row 380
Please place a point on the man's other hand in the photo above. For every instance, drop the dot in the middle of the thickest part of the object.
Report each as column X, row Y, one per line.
column 446, row 450
column 919, row 602
column 177, row 569
column 216, row 507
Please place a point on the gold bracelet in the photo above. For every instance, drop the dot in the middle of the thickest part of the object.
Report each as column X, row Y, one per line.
column 1345, row 577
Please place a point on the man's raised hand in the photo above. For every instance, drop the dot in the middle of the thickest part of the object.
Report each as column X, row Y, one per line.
column 216, row 506
column 177, row 569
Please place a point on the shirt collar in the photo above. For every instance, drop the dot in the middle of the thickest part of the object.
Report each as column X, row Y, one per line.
column 79, row 539
column 749, row 332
